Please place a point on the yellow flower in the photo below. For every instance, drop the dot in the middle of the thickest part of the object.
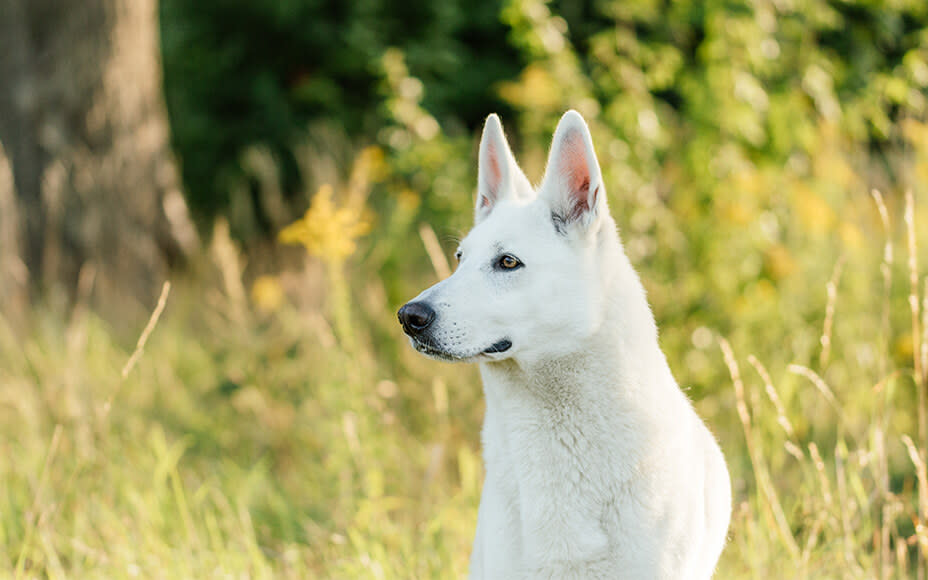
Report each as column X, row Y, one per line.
column 369, row 167
column 779, row 263
column 327, row 231
column 267, row 293
column 814, row 212
column 535, row 89
column 408, row 200
column 903, row 349
column 372, row 162
column 737, row 212
column 851, row 236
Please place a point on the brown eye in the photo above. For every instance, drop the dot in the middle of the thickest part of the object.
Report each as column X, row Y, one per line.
column 508, row 262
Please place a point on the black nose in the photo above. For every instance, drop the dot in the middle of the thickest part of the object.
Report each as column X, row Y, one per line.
column 415, row 317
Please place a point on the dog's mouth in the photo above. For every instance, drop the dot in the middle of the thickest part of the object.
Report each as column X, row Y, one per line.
column 428, row 348
column 500, row 346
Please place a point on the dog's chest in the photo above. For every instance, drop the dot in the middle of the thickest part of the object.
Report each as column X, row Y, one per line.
column 557, row 474
column 575, row 441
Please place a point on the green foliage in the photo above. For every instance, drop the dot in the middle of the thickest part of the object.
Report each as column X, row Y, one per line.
column 718, row 123
column 244, row 74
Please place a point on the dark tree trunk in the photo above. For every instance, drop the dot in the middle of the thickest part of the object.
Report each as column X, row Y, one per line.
column 83, row 123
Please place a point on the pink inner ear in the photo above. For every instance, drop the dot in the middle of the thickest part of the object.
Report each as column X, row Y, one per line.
column 494, row 172
column 575, row 169
column 492, row 177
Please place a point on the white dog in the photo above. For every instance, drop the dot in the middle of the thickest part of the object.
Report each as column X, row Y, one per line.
column 597, row 466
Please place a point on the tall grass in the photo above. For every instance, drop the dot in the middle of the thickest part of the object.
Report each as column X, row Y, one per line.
column 285, row 429
column 855, row 511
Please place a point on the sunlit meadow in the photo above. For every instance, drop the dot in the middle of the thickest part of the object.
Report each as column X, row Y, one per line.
column 271, row 421
column 266, row 418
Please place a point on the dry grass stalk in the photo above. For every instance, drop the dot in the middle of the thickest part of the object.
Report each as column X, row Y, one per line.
column 819, row 465
column 812, row 540
column 832, row 290
column 433, row 249
column 885, row 561
column 139, row 346
column 916, row 455
column 229, row 262
column 75, row 333
column 902, row 560
column 820, row 384
column 924, row 353
column 846, row 506
column 364, row 172
column 886, row 271
column 15, row 277
column 774, row 508
column 782, row 418
column 32, row 516
column 914, row 307
column 882, row 418
column 917, row 367
column 152, row 321
column 881, row 537
column 794, row 450
column 350, row 429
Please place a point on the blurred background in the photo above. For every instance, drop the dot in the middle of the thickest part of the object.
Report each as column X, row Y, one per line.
column 297, row 170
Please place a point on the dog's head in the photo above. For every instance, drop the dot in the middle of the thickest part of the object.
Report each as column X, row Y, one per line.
column 527, row 281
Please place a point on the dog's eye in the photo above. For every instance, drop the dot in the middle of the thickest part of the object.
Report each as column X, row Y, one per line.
column 508, row 262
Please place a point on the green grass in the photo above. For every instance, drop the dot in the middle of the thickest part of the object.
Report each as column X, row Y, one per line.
column 311, row 442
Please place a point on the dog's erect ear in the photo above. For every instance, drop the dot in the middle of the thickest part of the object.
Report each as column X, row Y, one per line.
column 573, row 183
column 496, row 168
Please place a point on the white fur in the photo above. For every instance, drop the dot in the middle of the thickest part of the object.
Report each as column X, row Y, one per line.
column 597, row 465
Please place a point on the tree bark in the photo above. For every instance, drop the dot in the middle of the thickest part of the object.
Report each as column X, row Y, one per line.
column 84, row 125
